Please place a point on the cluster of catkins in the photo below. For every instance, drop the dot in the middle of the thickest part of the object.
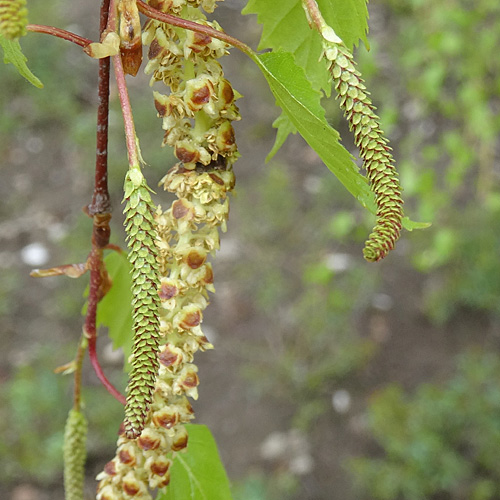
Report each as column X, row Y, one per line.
column 197, row 115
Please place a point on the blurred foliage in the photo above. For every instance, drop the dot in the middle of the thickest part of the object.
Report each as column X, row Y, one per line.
column 32, row 423
column 434, row 74
column 442, row 442
column 307, row 290
column 438, row 61
column 32, row 417
column 257, row 486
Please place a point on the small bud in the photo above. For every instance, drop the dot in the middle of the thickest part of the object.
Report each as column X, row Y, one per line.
column 131, row 485
column 158, row 466
column 180, row 440
column 130, row 36
column 199, row 92
column 126, row 455
column 225, row 140
column 166, row 418
column 171, row 356
column 149, row 439
column 110, row 46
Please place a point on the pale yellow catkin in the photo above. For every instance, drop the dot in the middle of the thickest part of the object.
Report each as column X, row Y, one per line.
column 13, row 18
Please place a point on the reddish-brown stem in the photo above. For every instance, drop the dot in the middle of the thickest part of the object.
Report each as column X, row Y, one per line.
column 128, row 119
column 99, row 285
column 312, row 10
column 153, row 13
column 114, row 247
column 100, row 374
column 97, row 288
column 59, row 33
column 100, row 199
column 112, row 24
column 77, row 393
column 104, row 16
column 99, row 210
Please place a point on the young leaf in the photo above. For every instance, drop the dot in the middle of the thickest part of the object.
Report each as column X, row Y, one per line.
column 410, row 225
column 284, row 128
column 285, row 28
column 114, row 310
column 13, row 54
column 302, row 106
column 199, row 473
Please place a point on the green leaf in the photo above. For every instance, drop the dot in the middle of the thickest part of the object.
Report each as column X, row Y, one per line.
column 302, row 106
column 198, row 474
column 14, row 55
column 285, row 27
column 410, row 225
column 285, row 128
column 114, row 310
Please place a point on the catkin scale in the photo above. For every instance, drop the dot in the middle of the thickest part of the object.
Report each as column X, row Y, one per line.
column 13, row 18
column 130, row 36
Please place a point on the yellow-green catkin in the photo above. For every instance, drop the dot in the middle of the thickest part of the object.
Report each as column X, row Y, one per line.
column 141, row 236
column 75, row 437
column 372, row 144
column 198, row 110
column 13, row 18
column 188, row 233
column 374, row 150
column 197, row 115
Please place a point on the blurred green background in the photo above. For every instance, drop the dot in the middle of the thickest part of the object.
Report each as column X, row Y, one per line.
column 332, row 378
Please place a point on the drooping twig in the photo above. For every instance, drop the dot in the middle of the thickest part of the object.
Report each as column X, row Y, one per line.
column 99, row 283
column 99, row 210
column 153, row 13
column 128, row 120
column 77, row 376
column 59, row 33
column 100, row 199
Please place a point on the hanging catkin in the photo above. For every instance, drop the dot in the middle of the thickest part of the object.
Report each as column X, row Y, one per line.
column 141, row 236
column 75, row 437
column 368, row 136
